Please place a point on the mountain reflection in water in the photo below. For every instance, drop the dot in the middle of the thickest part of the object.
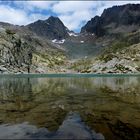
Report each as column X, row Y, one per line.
column 102, row 107
column 71, row 128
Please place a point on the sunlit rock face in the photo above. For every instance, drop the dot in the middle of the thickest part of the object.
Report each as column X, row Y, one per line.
column 27, row 53
column 14, row 52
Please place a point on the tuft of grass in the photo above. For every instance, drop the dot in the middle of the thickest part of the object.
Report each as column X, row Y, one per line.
column 121, row 67
column 82, row 65
column 119, row 45
column 50, row 59
column 10, row 32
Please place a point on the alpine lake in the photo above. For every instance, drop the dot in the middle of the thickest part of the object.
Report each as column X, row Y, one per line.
column 70, row 106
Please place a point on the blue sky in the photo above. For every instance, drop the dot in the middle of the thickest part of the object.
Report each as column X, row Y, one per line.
column 74, row 14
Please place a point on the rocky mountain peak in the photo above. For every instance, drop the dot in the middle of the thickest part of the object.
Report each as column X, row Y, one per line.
column 114, row 18
column 52, row 18
column 52, row 28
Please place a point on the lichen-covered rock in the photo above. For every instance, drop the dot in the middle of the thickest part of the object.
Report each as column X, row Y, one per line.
column 3, row 69
column 14, row 52
column 127, row 62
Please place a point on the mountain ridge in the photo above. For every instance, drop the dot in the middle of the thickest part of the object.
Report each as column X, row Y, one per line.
column 50, row 47
column 112, row 18
column 52, row 28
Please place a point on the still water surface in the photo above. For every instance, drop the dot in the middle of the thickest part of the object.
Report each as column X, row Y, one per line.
column 105, row 107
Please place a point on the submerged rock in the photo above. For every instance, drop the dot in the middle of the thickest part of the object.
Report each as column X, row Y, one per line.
column 3, row 69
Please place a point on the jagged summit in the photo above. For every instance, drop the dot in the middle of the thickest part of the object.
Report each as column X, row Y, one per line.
column 52, row 28
column 114, row 19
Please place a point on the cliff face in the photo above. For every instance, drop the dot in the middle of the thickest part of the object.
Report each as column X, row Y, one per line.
column 52, row 28
column 15, row 53
column 117, row 19
column 20, row 53
column 93, row 26
column 118, row 28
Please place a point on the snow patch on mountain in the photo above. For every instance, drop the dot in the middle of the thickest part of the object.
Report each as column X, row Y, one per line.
column 58, row 41
column 72, row 34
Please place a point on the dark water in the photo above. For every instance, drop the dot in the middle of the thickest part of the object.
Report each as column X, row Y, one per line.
column 82, row 107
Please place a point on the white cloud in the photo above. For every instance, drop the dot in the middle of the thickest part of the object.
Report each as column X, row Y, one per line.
column 75, row 20
column 101, row 5
column 72, row 6
column 41, row 4
column 35, row 17
column 35, row 5
column 72, row 13
column 11, row 15
column 17, row 16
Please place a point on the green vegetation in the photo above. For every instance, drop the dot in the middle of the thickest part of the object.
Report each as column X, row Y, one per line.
column 82, row 65
column 107, row 57
column 121, row 67
column 119, row 45
column 50, row 59
column 127, row 40
column 10, row 32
